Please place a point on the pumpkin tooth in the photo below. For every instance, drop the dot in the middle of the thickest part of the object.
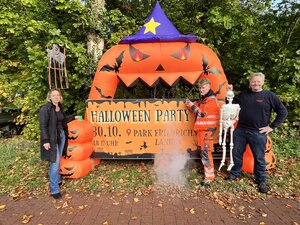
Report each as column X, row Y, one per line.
column 152, row 79
column 191, row 77
column 128, row 79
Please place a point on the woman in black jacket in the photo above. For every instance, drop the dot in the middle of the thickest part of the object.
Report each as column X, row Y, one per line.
column 54, row 137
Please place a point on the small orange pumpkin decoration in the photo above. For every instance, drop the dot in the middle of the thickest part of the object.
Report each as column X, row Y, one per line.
column 77, row 169
column 269, row 145
column 270, row 160
column 79, row 151
column 80, row 131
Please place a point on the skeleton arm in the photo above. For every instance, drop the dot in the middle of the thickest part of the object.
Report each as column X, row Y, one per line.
column 221, row 126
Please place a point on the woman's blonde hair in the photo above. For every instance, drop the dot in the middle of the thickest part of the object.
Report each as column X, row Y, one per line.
column 50, row 92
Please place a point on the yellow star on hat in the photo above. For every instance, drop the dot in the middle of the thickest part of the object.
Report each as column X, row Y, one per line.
column 151, row 26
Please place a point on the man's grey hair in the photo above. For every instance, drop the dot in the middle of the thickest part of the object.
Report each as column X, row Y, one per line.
column 257, row 75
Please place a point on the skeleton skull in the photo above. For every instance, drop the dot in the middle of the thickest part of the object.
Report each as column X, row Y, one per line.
column 229, row 96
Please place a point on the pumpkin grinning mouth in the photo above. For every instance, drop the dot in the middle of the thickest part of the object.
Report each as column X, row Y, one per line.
column 141, row 90
column 67, row 175
column 72, row 138
column 159, row 76
column 67, row 156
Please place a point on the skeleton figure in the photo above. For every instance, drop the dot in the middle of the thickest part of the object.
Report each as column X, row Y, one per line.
column 228, row 116
column 55, row 56
column 57, row 68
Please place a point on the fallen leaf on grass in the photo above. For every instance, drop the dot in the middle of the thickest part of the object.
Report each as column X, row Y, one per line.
column 136, row 200
column 26, row 218
column 221, row 203
column 288, row 206
column 241, row 208
column 17, row 159
column 262, row 223
column 14, row 195
column 133, row 217
column 139, row 192
column 105, row 222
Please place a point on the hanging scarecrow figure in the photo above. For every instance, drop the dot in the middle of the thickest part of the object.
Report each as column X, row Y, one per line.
column 57, row 72
column 228, row 116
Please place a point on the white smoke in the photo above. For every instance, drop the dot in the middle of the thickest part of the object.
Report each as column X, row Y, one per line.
column 169, row 167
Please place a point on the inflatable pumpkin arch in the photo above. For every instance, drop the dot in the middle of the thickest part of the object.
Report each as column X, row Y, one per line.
column 156, row 53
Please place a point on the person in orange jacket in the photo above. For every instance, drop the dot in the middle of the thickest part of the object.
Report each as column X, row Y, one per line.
column 207, row 111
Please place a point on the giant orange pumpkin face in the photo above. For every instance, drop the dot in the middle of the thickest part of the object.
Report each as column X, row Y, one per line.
column 80, row 131
column 153, row 62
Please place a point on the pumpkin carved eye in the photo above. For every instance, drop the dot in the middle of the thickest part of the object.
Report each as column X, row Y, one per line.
column 182, row 54
column 136, row 55
column 69, row 168
column 72, row 149
column 72, row 136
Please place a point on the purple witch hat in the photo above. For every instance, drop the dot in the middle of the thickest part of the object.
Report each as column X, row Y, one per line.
column 158, row 28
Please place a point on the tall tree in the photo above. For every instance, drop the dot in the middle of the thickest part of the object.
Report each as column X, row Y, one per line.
column 248, row 36
column 28, row 28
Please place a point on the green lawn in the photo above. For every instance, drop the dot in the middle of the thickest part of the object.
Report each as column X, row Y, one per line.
column 23, row 174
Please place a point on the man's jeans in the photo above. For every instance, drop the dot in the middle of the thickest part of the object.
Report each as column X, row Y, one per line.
column 54, row 174
column 257, row 143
